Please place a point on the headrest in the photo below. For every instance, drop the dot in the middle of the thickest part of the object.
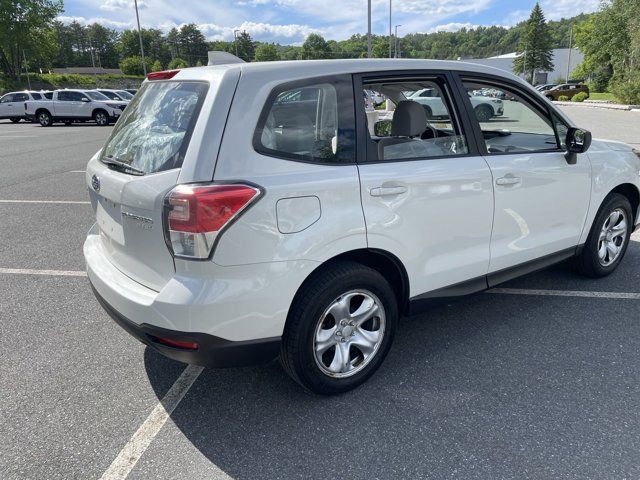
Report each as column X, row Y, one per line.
column 409, row 119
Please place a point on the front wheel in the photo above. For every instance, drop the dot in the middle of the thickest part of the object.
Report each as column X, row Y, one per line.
column 340, row 328
column 484, row 113
column 608, row 239
column 101, row 118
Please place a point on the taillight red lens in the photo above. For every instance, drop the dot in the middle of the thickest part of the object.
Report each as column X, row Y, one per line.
column 197, row 213
column 170, row 342
column 164, row 75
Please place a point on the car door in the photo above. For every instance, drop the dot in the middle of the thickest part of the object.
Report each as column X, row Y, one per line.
column 541, row 200
column 81, row 105
column 426, row 192
column 64, row 106
column 17, row 106
column 6, row 106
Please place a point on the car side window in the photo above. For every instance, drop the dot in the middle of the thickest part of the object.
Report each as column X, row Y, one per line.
column 36, row 96
column 309, row 121
column 64, row 96
column 20, row 97
column 519, row 125
column 416, row 121
column 7, row 98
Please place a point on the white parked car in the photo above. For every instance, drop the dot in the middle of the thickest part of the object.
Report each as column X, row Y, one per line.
column 244, row 212
column 12, row 104
column 69, row 106
column 485, row 107
column 118, row 95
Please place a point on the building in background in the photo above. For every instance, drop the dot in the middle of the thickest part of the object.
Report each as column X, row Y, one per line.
column 560, row 62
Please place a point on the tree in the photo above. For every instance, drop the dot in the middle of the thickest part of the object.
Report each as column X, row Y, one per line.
column 26, row 27
column 177, row 63
column 132, row 66
column 102, row 41
column 246, row 47
column 193, row 44
column 534, row 48
column 267, row 52
column 156, row 66
column 153, row 41
column 315, row 47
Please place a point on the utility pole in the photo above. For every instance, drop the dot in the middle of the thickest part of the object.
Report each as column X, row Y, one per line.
column 26, row 68
column 144, row 64
column 396, row 40
column 369, row 29
column 569, row 59
column 93, row 62
column 235, row 40
column 390, row 39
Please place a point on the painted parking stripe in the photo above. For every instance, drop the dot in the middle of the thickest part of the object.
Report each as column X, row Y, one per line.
column 77, row 171
column 53, row 202
column 136, row 446
column 53, row 273
column 565, row 293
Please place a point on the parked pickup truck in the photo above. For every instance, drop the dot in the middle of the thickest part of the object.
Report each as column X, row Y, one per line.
column 75, row 105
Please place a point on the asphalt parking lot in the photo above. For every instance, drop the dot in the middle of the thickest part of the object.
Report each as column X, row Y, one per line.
column 540, row 379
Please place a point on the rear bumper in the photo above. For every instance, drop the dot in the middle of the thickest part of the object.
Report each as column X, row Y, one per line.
column 212, row 351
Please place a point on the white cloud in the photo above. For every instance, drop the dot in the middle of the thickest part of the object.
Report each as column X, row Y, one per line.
column 453, row 27
column 557, row 9
column 114, row 5
column 258, row 30
column 105, row 22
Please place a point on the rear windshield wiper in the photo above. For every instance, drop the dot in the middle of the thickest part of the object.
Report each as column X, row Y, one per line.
column 121, row 166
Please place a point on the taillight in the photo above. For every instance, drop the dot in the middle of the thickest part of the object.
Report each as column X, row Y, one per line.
column 197, row 214
column 164, row 75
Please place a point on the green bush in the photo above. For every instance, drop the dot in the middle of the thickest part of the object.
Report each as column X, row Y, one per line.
column 132, row 66
column 177, row 63
column 627, row 91
column 580, row 97
column 563, row 98
column 156, row 66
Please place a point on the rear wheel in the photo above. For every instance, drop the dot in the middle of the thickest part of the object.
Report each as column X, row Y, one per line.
column 15, row 119
column 101, row 118
column 550, row 97
column 608, row 239
column 44, row 118
column 483, row 113
column 340, row 328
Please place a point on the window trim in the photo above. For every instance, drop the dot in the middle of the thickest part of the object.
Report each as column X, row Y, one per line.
column 346, row 136
column 448, row 86
column 505, row 83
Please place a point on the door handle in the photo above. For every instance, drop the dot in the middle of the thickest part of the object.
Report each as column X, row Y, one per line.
column 508, row 180
column 383, row 191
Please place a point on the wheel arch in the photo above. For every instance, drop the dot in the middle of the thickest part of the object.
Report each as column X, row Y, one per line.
column 630, row 191
column 43, row 109
column 384, row 262
column 99, row 109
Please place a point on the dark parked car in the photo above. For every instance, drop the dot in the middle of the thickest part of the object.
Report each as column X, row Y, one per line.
column 567, row 90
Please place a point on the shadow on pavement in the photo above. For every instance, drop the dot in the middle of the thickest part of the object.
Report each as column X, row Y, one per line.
column 488, row 386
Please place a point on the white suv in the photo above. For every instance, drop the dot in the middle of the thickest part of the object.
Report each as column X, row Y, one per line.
column 246, row 211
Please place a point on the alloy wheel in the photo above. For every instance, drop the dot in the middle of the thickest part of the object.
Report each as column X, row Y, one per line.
column 612, row 238
column 349, row 333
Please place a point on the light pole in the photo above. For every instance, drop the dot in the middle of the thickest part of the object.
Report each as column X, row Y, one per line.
column 569, row 59
column 369, row 29
column 390, row 39
column 235, row 40
column 144, row 64
column 396, row 40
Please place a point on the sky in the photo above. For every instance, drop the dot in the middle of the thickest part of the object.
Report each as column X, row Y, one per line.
column 291, row 21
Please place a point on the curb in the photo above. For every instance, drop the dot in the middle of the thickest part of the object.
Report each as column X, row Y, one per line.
column 606, row 106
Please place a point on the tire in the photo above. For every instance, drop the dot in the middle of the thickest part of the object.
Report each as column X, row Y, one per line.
column 44, row 118
column 484, row 113
column 590, row 261
column 311, row 323
column 15, row 119
column 550, row 98
column 101, row 118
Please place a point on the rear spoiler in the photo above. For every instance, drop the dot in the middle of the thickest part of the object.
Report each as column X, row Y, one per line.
column 222, row 58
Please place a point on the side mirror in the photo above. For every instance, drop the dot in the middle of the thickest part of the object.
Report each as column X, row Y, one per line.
column 382, row 128
column 578, row 141
column 85, row 100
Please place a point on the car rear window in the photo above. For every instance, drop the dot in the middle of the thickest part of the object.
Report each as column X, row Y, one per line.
column 153, row 133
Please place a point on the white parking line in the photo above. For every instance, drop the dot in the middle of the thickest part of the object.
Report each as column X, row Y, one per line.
column 54, row 273
column 61, row 202
column 133, row 450
column 565, row 293
column 77, row 171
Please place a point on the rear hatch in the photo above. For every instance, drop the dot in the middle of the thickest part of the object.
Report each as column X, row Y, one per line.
column 129, row 179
